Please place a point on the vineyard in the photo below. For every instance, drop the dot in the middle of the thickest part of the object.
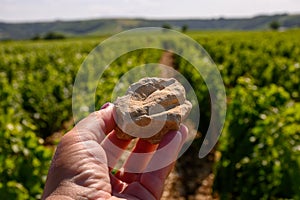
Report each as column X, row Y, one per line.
column 258, row 153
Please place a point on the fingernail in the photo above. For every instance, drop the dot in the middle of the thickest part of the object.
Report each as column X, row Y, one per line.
column 105, row 105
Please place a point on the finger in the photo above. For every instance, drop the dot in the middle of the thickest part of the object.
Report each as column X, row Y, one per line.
column 114, row 148
column 97, row 125
column 184, row 134
column 171, row 145
column 117, row 185
column 168, row 149
column 137, row 161
column 105, row 115
column 137, row 190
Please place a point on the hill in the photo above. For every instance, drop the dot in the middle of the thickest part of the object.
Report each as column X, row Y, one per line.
column 109, row 26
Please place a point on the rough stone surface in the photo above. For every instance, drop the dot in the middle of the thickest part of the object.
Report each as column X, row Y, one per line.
column 151, row 108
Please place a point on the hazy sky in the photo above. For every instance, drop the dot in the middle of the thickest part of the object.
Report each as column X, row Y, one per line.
column 41, row 10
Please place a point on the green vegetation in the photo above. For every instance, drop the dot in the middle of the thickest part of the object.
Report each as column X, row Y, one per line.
column 260, row 143
column 166, row 26
column 36, row 87
column 274, row 25
column 261, row 138
column 184, row 28
column 50, row 36
column 36, row 80
column 54, row 36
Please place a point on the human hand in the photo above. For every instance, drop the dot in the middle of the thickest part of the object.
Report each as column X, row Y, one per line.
column 81, row 167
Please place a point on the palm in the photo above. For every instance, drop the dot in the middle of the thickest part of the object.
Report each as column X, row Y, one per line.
column 85, row 156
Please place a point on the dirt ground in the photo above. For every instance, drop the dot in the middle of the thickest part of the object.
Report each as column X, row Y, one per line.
column 192, row 178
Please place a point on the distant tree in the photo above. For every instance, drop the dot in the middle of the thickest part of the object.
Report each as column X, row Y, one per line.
column 184, row 28
column 54, row 36
column 274, row 25
column 167, row 26
column 36, row 37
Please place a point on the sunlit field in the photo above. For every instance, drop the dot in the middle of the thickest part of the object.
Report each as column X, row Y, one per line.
column 258, row 153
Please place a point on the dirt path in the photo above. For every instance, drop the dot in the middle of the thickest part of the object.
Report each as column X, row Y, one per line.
column 167, row 60
column 192, row 178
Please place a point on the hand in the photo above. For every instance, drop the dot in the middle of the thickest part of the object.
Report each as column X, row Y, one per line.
column 82, row 164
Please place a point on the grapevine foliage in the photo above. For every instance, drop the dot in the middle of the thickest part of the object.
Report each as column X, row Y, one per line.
column 260, row 143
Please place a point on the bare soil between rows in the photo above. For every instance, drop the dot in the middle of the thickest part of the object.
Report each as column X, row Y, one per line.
column 192, row 178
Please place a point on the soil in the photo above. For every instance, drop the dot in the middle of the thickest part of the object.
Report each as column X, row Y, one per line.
column 192, row 178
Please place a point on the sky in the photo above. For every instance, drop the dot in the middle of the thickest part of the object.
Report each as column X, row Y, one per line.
column 50, row 10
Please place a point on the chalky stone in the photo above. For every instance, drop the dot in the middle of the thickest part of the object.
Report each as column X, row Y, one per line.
column 150, row 108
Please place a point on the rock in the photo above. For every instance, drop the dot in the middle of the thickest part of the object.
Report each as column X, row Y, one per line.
column 151, row 108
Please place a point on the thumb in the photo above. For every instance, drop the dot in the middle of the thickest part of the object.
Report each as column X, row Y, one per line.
column 97, row 125
column 79, row 155
column 105, row 116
